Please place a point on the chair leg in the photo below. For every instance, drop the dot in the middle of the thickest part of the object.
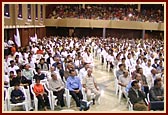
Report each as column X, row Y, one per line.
column 68, row 101
column 36, row 105
column 116, row 89
column 9, row 107
column 26, row 107
column 120, row 94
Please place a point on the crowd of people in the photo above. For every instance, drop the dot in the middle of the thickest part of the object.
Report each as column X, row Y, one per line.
column 106, row 12
column 67, row 62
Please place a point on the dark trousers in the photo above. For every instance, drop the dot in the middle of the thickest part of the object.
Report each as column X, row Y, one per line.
column 146, row 90
column 157, row 105
column 60, row 96
column 43, row 100
column 102, row 60
column 77, row 97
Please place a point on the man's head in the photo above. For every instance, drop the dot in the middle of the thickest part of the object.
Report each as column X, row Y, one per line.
column 135, row 84
column 72, row 72
column 86, row 66
column 125, row 72
column 42, row 60
column 145, row 59
column 138, row 77
column 140, row 70
column 52, row 68
column 27, row 67
column 154, row 71
column 38, row 70
column 89, row 71
column 156, row 60
column 158, row 83
column 160, row 63
column 16, row 86
column 37, row 80
column 11, row 73
column 129, row 56
column 149, row 62
column 18, row 73
column 12, row 62
column 54, row 76
column 121, row 66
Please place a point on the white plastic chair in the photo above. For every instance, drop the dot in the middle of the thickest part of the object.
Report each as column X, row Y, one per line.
column 120, row 94
column 130, row 105
column 92, row 95
column 5, row 99
column 28, row 97
column 116, row 86
column 35, row 98
column 67, row 97
column 108, row 66
column 53, row 97
column 24, row 103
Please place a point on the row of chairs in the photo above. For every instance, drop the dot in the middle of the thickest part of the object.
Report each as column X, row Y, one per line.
column 27, row 102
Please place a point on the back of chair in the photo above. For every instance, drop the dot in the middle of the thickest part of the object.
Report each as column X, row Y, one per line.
column 148, row 99
column 5, row 99
column 114, row 72
column 5, row 94
column 31, row 89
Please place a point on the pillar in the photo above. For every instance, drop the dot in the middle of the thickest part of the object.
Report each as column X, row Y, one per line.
column 143, row 34
column 139, row 7
column 104, row 33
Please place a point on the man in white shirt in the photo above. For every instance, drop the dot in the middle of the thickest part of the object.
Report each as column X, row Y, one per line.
column 12, row 67
column 147, row 69
column 10, row 42
column 90, row 85
column 87, row 57
column 130, row 63
column 83, row 72
column 57, row 86
column 124, row 79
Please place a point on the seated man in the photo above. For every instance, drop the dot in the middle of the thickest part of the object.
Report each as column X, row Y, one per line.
column 20, row 79
column 17, row 96
column 28, row 73
column 124, row 80
column 57, row 86
column 39, row 74
column 74, row 86
column 137, row 97
column 120, row 71
column 156, row 96
column 43, row 65
column 90, row 85
column 83, row 72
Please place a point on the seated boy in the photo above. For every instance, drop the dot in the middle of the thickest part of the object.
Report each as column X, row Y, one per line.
column 17, row 96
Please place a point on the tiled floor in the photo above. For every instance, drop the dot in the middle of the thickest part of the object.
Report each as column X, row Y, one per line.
column 109, row 101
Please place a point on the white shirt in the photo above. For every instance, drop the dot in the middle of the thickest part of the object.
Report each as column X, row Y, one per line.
column 147, row 70
column 10, row 42
column 14, row 68
column 82, row 74
column 87, row 59
column 6, row 79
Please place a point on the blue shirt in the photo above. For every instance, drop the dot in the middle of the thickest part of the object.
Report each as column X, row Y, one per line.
column 73, row 82
column 129, row 86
